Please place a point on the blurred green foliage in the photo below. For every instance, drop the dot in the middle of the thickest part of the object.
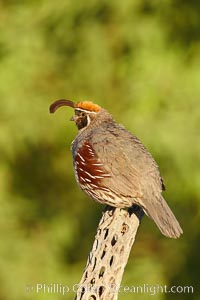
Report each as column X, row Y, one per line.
column 140, row 60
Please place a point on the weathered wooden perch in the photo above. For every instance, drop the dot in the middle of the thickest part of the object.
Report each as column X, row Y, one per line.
column 109, row 255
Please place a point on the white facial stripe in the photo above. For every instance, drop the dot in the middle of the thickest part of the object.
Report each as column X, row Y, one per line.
column 87, row 111
column 88, row 120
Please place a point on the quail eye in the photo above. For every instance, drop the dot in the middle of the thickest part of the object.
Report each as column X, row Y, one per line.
column 78, row 113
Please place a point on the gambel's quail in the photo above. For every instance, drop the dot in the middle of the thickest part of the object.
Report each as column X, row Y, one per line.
column 113, row 167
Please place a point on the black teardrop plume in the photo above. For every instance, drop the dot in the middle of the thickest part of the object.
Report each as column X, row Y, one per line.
column 61, row 102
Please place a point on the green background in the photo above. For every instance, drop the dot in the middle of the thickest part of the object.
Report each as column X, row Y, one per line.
column 141, row 61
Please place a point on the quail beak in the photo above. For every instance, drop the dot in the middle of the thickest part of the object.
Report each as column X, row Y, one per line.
column 74, row 118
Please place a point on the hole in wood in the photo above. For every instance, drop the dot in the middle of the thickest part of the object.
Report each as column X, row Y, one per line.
column 103, row 254
column 90, row 257
column 96, row 244
column 82, row 292
column 102, row 271
column 101, row 290
column 111, row 260
column 86, row 275
column 92, row 297
column 95, row 261
column 114, row 240
column 124, row 228
column 92, row 281
column 106, row 233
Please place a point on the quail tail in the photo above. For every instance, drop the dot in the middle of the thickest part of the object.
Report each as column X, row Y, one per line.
column 164, row 218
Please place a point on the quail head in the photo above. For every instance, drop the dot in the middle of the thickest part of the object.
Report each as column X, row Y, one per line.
column 113, row 167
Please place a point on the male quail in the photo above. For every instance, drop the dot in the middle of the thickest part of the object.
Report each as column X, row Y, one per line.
column 113, row 167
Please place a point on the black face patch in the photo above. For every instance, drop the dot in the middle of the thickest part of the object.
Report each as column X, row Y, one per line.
column 81, row 119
